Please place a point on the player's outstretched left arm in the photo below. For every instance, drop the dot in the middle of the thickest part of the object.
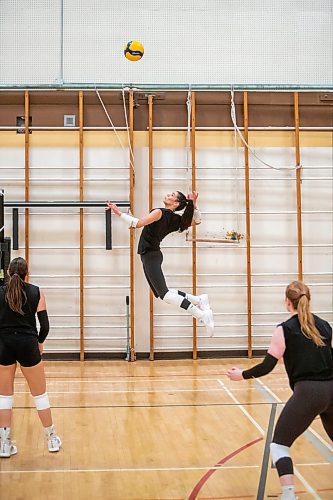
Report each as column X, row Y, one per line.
column 132, row 221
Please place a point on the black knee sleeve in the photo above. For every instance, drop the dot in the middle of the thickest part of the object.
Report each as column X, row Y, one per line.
column 284, row 466
column 185, row 304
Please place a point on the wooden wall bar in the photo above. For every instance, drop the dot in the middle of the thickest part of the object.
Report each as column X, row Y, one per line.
column 194, row 229
column 298, row 189
column 81, row 167
column 248, row 227
column 26, row 174
column 132, row 238
column 150, row 148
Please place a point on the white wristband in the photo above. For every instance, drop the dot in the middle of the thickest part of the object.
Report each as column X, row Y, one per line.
column 197, row 216
column 132, row 221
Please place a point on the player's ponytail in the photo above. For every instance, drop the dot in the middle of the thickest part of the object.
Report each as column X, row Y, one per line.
column 299, row 295
column 15, row 295
column 187, row 216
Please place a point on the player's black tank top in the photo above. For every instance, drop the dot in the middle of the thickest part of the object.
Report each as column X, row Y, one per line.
column 11, row 321
column 153, row 234
column 303, row 359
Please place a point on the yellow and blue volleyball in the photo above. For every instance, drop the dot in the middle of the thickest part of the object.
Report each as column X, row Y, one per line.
column 133, row 51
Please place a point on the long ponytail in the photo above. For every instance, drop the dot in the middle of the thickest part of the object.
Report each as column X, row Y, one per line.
column 299, row 295
column 15, row 295
column 187, row 216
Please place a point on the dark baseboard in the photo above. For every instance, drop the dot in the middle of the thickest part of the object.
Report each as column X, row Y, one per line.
column 96, row 356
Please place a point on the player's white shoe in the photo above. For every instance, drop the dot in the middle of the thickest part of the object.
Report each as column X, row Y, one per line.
column 7, row 448
column 204, row 303
column 53, row 441
column 208, row 320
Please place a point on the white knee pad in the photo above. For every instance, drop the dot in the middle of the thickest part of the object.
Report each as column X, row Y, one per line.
column 42, row 402
column 279, row 451
column 6, row 402
column 173, row 298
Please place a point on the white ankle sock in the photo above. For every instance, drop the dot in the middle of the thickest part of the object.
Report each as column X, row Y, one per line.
column 288, row 492
column 50, row 430
column 4, row 432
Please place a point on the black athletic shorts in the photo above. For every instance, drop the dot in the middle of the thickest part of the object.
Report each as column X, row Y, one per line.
column 19, row 347
column 152, row 267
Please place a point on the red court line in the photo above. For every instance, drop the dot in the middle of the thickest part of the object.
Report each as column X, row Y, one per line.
column 204, row 479
column 227, row 498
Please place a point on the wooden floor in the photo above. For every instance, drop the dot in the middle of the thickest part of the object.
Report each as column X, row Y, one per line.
column 156, row 430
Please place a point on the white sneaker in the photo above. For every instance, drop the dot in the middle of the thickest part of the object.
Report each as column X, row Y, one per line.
column 7, row 448
column 204, row 303
column 208, row 320
column 53, row 443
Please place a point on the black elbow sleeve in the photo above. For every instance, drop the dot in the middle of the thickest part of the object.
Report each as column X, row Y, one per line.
column 44, row 325
column 261, row 369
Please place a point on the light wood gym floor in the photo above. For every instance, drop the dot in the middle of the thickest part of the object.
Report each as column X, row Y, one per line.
column 156, row 430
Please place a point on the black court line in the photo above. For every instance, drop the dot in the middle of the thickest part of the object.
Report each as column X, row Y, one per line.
column 265, row 459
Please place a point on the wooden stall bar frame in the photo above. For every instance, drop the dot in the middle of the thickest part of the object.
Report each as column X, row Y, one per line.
column 298, row 190
column 248, row 226
column 132, row 235
column 194, row 229
column 150, row 145
column 26, row 173
column 81, row 119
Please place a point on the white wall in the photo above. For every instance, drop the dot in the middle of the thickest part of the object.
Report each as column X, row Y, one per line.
column 186, row 41
column 221, row 268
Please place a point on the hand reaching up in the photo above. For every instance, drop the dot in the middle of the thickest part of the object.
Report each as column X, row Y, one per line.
column 113, row 207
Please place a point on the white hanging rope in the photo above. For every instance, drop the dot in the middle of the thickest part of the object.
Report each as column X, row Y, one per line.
column 251, row 151
column 188, row 141
column 188, row 148
column 115, row 130
column 127, row 128
column 237, row 179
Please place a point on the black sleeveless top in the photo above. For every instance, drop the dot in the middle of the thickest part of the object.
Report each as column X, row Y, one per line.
column 303, row 359
column 153, row 234
column 11, row 321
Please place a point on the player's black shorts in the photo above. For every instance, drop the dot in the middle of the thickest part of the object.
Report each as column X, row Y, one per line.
column 152, row 267
column 19, row 347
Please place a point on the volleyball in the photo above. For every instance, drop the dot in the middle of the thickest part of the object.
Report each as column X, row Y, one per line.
column 133, row 51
